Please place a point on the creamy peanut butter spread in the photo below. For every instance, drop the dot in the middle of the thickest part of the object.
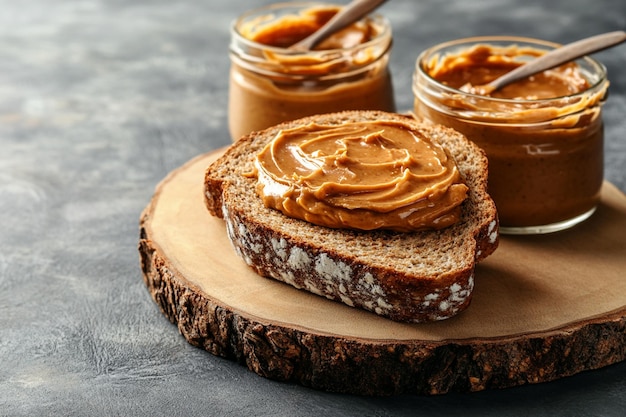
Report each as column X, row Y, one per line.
column 290, row 29
column 542, row 135
column 271, row 83
column 361, row 175
column 480, row 65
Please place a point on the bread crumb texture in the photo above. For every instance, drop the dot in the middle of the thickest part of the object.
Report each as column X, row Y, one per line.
column 344, row 280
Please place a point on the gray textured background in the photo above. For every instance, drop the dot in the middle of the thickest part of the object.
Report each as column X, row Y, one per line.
column 99, row 100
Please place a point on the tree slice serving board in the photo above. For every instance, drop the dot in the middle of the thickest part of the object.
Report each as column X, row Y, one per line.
column 544, row 307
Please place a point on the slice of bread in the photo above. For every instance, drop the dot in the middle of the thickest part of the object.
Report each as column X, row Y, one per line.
column 412, row 277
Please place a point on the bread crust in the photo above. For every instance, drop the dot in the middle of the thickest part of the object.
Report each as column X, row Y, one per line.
column 410, row 277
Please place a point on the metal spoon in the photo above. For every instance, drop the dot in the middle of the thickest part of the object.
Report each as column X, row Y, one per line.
column 549, row 60
column 344, row 17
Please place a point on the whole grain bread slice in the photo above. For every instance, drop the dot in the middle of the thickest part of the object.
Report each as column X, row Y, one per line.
column 412, row 277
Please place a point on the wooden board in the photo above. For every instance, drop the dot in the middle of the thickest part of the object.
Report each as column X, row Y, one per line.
column 544, row 307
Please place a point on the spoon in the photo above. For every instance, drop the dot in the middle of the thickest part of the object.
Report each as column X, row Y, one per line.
column 549, row 60
column 344, row 17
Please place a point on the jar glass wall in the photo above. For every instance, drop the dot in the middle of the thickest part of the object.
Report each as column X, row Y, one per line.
column 545, row 154
column 270, row 84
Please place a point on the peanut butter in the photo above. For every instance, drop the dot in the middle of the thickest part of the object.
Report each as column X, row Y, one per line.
column 361, row 175
column 270, row 83
column 291, row 29
column 543, row 135
column 482, row 65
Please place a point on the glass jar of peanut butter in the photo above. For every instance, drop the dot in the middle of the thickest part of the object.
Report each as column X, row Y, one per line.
column 272, row 83
column 543, row 136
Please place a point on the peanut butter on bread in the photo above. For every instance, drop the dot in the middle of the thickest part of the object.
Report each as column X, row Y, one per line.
column 414, row 277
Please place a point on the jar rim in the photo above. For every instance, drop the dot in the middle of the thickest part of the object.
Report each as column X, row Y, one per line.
column 598, row 68
column 376, row 17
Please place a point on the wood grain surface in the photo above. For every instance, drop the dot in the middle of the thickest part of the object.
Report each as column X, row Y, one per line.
column 544, row 307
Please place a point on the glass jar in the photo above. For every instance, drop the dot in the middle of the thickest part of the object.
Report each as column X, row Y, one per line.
column 269, row 84
column 545, row 154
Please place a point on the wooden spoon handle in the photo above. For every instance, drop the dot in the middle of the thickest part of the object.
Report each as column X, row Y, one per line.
column 560, row 56
column 347, row 15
